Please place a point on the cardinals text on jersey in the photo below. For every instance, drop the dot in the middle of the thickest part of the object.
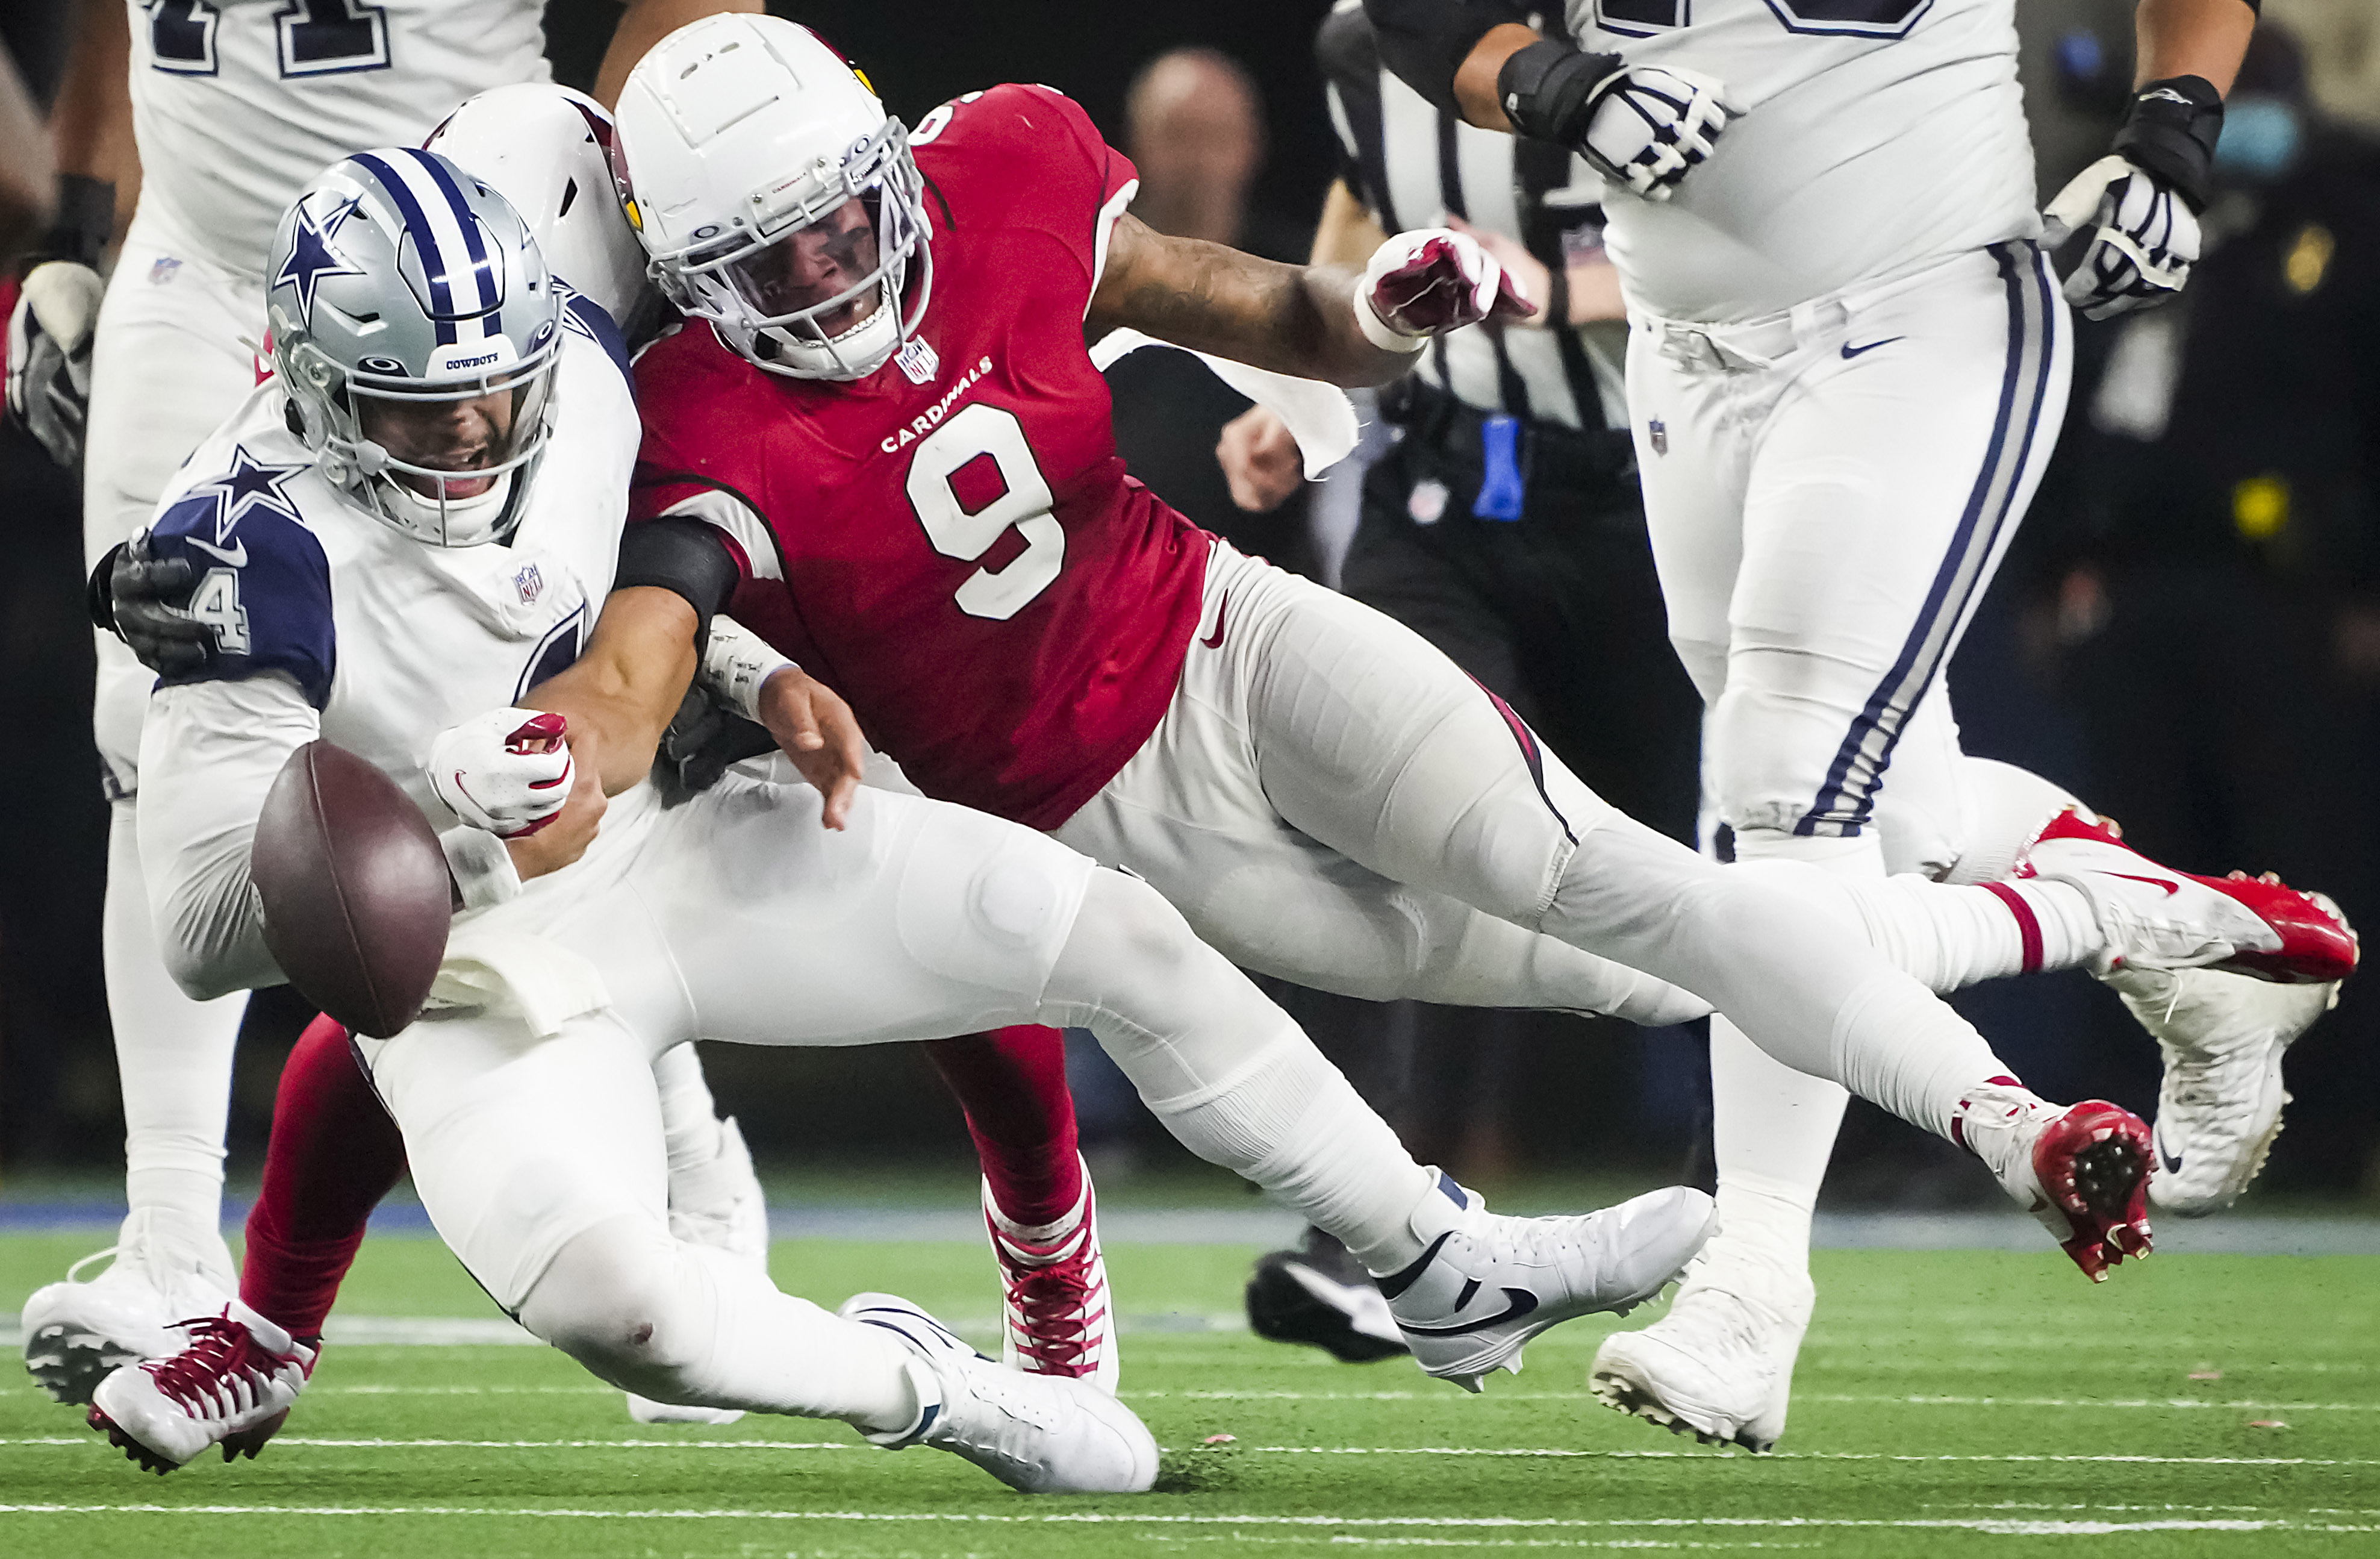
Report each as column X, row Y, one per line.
column 953, row 543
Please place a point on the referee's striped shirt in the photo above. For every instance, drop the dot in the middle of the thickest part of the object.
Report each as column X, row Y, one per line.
column 1412, row 165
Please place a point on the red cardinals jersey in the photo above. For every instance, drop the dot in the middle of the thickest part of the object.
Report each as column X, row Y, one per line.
column 953, row 543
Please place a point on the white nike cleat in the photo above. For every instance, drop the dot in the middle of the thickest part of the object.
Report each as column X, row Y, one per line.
column 164, row 1269
column 2220, row 1107
column 1719, row 1366
column 231, row 1385
column 2153, row 916
column 1485, row 1284
column 1057, row 1316
column 716, row 1202
column 1043, row 1434
column 2081, row 1170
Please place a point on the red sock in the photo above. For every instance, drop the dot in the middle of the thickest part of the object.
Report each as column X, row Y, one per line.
column 1012, row 1082
column 333, row 1154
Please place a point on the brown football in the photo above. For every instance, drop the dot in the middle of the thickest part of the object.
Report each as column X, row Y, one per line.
column 357, row 897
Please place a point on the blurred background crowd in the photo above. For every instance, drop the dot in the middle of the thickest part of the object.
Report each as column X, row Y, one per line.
column 2187, row 632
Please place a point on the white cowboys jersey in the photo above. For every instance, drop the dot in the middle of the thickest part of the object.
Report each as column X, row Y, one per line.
column 1878, row 137
column 238, row 102
column 390, row 639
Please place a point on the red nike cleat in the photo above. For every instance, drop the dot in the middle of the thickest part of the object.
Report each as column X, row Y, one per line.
column 1059, row 1319
column 2153, row 916
column 2083, row 1170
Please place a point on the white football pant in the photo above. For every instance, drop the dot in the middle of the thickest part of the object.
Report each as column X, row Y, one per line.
column 1829, row 493
column 168, row 364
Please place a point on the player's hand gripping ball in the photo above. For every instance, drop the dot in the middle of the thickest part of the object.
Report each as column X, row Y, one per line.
column 49, row 354
column 1648, row 126
column 2147, row 238
column 507, row 770
column 1427, row 282
column 357, row 897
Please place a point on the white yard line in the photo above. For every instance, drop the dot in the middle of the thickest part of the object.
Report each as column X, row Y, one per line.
column 1524, row 1453
column 2006, row 1527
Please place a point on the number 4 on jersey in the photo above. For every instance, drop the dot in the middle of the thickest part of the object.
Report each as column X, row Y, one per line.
column 216, row 604
column 970, row 481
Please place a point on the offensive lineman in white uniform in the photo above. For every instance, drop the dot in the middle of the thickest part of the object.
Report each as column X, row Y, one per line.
column 434, row 397
column 235, row 104
column 1848, row 364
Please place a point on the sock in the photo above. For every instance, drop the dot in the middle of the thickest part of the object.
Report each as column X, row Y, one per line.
column 1292, row 1122
column 1011, row 1083
column 2011, row 806
column 689, row 1118
column 1044, row 1235
column 333, row 1153
column 1773, row 1134
column 173, row 1056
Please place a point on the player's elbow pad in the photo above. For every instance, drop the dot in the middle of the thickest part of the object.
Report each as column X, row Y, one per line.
column 1425, row 41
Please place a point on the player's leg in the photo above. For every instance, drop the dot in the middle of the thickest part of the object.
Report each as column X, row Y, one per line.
column 167, row 367
column 1058, row 1312
column 920, row 918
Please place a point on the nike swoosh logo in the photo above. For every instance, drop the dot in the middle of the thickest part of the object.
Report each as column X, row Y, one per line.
column 2172, row 1162
column 1850, row 351
column 236, row 556
column 1520, row 1303
column 2170, row 888
column 1216, row 642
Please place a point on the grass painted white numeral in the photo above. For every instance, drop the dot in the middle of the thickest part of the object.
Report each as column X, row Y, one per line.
column 216, row 604
column 987, row 433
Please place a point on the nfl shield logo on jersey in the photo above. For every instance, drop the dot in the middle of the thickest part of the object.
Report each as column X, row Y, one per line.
column 530, row 584
column 1658, row 432
column 920, row 360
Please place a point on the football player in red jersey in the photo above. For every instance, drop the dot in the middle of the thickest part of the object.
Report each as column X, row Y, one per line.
column 889, row 455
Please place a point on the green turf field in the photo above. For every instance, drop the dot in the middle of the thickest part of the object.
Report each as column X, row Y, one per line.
column 1946, row 1402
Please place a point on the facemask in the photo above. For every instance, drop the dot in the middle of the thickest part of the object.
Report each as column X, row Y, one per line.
column 2261, row 137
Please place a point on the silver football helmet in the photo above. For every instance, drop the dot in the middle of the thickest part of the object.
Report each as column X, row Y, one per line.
column 776, row 196
column 415, row 332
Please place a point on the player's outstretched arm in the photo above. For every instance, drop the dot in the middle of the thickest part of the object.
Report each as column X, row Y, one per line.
column 1318, row 321
column 619, row 695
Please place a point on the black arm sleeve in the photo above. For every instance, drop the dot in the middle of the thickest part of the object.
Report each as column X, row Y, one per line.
column 684, row 555
column 1425, row 41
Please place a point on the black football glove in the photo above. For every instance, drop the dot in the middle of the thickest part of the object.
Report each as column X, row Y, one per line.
column 1643, row 126
column 702, row 743
column 143, row 600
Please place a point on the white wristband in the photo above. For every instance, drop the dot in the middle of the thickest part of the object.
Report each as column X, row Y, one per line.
column 1377, row 330
column 482, row 867
column 736, row 664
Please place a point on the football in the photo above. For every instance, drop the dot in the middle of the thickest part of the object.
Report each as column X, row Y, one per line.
column 357, row 895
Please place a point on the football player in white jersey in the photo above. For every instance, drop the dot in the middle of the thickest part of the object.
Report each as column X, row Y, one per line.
column 234, row 105
column 395, row 539
column 1848, row 364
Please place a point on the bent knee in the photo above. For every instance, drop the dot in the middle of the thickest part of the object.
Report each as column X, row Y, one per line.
column 623, row 1309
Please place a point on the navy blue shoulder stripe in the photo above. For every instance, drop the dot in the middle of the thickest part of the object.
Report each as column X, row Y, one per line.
column 591, row 318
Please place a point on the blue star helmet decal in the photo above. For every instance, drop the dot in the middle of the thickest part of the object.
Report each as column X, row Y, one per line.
column 311, row 258
column 249, row 485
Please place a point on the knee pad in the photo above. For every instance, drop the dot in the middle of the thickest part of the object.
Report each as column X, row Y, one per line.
column 622, row 1299
column 1007, row 923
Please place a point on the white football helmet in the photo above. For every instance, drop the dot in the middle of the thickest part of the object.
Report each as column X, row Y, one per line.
column 548, row 151
column 748, row 153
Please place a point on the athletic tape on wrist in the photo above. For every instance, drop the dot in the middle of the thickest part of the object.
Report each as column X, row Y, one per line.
column 1380, row 332
column 736, row 664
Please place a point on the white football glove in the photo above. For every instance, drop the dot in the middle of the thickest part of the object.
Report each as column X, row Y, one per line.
column 1427, row 282
column 507, row 770
column 1648, row 126
column 2146, row 243
column 49, row 354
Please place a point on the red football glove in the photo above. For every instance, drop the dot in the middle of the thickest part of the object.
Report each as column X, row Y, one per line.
column 1430, row 281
